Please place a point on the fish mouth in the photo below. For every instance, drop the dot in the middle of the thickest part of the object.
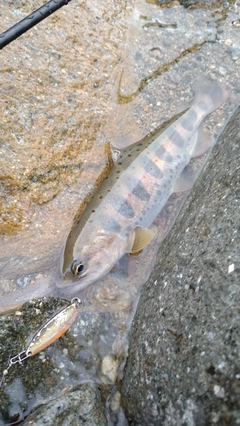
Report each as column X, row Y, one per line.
column 92, row 273
column 68, row 279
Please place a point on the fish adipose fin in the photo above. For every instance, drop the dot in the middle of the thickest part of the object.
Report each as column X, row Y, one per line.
column 143, row 237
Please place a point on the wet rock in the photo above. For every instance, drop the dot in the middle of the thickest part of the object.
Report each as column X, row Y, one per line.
column 81, row 406
column 183, row 365
column 56, row 86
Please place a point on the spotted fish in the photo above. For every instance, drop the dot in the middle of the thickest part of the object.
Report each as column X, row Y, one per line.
column 120, row 222
column 117, row 219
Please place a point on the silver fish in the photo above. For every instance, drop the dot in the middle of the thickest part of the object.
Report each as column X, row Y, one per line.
column 47, row 286
column 117, row 219
column 120, row 221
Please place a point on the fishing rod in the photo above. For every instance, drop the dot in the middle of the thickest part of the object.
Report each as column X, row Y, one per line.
column 34, row 18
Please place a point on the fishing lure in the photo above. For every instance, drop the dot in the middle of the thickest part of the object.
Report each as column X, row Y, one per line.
column 49, row 332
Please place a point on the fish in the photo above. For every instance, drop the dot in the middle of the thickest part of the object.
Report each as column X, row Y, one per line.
column 118, row 218
column 120, row 221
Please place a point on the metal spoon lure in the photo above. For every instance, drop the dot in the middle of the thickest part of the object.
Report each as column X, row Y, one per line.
column 49, row 332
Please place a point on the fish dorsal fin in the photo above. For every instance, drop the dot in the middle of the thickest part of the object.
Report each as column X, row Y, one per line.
column 142, row 238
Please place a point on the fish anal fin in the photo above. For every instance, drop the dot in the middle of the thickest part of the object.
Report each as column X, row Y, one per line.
column 205, row 140
column 185, row 181
column 142, row 237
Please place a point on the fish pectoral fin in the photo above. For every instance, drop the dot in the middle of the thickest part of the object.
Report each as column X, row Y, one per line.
column 205, row 140
column 186, row 180
column 142, row 237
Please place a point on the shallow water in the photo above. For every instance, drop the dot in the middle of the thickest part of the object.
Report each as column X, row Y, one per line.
column 90, row 74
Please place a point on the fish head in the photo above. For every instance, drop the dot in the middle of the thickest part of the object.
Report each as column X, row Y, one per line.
column 91, row 260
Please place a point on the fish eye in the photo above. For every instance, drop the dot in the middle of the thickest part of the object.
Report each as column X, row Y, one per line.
column 77, row 267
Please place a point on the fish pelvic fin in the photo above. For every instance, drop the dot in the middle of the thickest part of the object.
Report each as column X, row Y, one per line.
column 210, row 94
column 142, row 237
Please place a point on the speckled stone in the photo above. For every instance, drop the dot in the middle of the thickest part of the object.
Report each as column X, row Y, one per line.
column 183, row 365
column 81, row 406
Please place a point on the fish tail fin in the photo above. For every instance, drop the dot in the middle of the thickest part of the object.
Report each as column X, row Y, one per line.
column 210, row 94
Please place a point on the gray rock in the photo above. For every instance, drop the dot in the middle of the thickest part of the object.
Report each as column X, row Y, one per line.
column 183, row 366
column 78, row 407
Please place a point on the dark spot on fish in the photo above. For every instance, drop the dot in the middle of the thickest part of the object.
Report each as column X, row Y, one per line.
column 159, row 192
column 122, row 206
column 203, row 105
column 118, row 171
column 111, row 225
column 126, row 210
column 100, row 198
column 188, row 122
column 141, row 192
column 129, row 155
column 119, row 163
column 153, row 170
column 93, row 211
column 177, row 140
column 163, row 154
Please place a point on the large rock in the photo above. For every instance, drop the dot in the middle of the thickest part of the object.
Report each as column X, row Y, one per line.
column 183, row 366
column 82, row 406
